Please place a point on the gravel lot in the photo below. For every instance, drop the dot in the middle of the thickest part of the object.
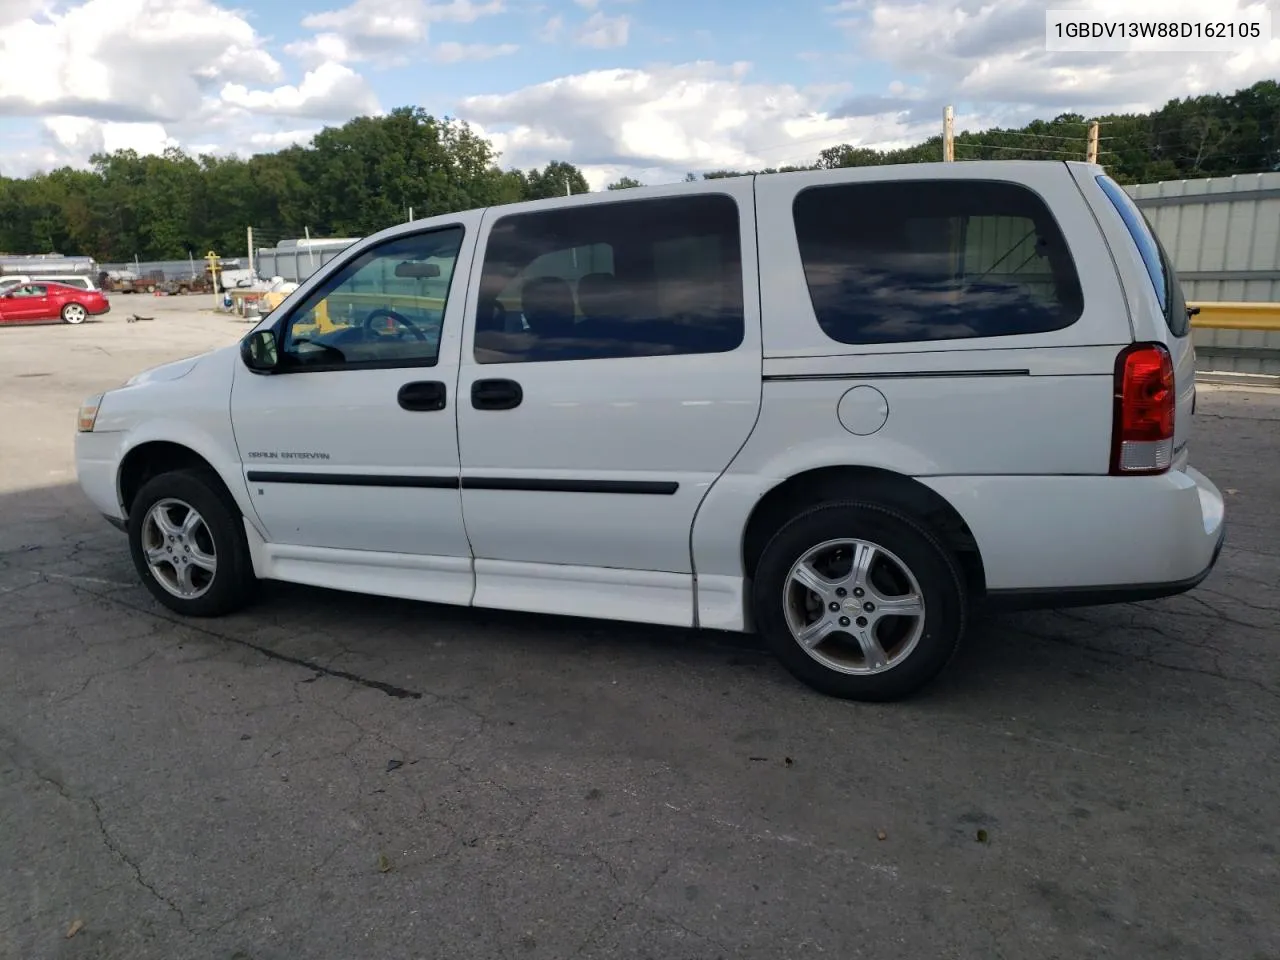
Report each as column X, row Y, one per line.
column 331, row 776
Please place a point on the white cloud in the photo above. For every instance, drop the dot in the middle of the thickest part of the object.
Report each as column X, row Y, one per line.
column 270, row 140
column 550, row 31
column 462, row 11
column 146, row 75
column 62, row 141
column 125, row 60
column 74, row 134
column 322, row 48
column 994, row 53
column 77, row 135
column 602, row 31
column 599, row 176
column 332, row 91
column 15, row 11
column 657, row 124
column 451, row 52
column 372, row 29
column 373, row 22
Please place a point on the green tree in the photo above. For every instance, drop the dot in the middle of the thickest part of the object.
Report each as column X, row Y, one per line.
column 624, row 183
column 366, row 174
column 557, row 179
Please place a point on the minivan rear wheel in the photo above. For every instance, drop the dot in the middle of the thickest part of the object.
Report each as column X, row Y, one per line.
column 859, row 601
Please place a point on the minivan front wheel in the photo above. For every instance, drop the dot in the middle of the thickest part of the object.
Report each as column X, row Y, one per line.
column 188, row 545
column 859, row 601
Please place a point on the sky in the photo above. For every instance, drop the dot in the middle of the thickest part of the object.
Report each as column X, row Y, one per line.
column 649, row 89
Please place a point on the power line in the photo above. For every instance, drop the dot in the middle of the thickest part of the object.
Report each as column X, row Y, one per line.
column 1151, row 153
column 1030, row 133
column 984, row 146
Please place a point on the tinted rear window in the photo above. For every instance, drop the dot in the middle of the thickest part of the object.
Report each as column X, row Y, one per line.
column 1154, row 257
column 634, row 278
column 934, row 260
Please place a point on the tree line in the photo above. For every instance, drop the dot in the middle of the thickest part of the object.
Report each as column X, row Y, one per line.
column 348, row 182
column 370, row 172
column 1209, row 136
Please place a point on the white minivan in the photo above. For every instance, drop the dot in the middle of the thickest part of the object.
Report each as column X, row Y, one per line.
column 841, row 408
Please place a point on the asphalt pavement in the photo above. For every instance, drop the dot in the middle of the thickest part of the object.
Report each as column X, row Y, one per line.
column 333, row 776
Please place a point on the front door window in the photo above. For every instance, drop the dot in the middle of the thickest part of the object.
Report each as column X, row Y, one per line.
column 384, row 309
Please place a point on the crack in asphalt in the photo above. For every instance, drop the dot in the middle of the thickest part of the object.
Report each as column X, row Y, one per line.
column 1249, row 604
column 107, row 840
column 1223, row 615
column 132, row 864
column 389, row 689
column 602, row 927
column 88, row 681
column 1149, row 659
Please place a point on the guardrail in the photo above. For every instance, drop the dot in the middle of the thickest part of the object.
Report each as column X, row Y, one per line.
column 1237, row 316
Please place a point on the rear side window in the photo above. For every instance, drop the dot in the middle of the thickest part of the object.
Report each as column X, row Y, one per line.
column 934, row 260
column 1154, row 257
column 636, row 278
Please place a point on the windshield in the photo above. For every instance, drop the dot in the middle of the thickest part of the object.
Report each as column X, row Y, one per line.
column 1159, row 266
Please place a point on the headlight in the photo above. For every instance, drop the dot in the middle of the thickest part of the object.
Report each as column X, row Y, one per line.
column 88, row 415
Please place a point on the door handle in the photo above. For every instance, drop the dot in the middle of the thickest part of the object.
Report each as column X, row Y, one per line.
column 496, row 394
column 422, row 395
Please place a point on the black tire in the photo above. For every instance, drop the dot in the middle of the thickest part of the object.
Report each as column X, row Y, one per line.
column 935, row 571
column 232, row 584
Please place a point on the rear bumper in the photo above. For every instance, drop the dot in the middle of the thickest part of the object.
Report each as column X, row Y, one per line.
column 1071, row 541
column 1098, row 596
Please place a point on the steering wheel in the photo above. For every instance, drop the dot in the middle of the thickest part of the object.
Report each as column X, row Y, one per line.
column 395, row 317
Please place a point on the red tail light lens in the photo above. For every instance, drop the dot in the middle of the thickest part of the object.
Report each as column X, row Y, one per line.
column 1145, row 406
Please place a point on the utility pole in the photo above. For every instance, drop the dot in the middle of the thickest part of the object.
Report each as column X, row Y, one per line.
column 249, row 232
column 949, row 134
column 212, row 257
column 1091, row 151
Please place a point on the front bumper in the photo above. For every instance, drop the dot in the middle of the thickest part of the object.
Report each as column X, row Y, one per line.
column 97, row 466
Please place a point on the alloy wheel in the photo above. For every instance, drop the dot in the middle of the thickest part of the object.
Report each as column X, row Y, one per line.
column 179, row 548
column 854, row 606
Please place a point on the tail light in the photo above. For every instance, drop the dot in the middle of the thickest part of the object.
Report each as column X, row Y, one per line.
column 1145, row 406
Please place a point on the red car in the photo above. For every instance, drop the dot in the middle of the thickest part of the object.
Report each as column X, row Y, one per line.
column 42, row 302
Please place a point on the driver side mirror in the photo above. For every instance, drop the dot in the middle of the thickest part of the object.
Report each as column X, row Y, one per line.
column 258, row 351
